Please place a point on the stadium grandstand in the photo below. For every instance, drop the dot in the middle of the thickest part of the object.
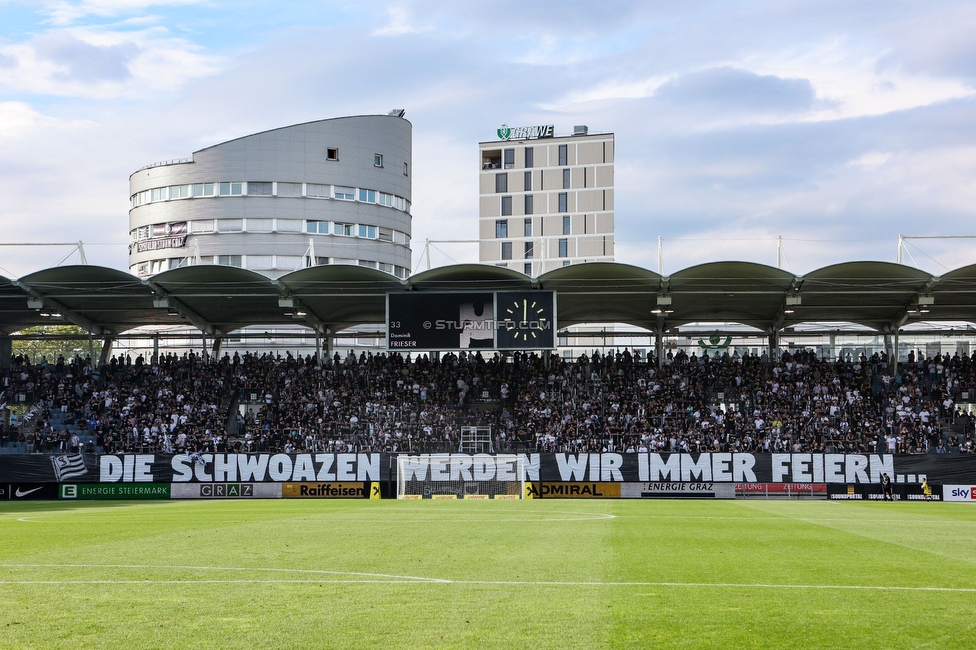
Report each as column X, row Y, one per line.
column 777, row 400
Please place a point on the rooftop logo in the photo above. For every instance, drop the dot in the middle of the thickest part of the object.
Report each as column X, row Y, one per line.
column 506, row 132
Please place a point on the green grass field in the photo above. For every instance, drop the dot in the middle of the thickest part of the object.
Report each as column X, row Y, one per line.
column 523, row 574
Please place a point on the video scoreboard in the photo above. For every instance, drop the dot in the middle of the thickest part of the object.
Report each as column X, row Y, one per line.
column 499, row 320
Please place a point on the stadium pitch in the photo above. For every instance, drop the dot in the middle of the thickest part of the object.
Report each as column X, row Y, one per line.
column 508, row 574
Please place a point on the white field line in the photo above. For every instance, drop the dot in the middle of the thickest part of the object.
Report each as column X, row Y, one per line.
column 528, row 518
column 181, row 567
column 385, row 578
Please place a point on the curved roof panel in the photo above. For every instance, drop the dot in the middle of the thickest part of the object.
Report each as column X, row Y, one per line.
column 341, row 296
column 220, row 299
column 603, row 292
column 876, row 294
column 742, row 292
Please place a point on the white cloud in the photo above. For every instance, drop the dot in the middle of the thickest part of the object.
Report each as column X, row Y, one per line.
column 870, row 160
column 64, row 12
column 400, row 23
column 97, row 64
column 853, row 84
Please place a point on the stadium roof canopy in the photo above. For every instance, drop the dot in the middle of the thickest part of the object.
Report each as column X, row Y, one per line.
column 220, row 299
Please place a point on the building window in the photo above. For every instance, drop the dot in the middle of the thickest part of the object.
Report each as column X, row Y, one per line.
column 567, row 228
column 367, row 196
column 229, row 260
column 289, row 189
column 345, row 193
column 501, row 182
column 563, row 202
column 345, row 229
column 230, row 225
column 317, row 227
column 563, row 155
column 529, row 250
column 566, row 179
column 527, row 228
column 566, row 262
column 527, row 184
column 406, row 169
column 258, row 189
column 331, row 153
column 377, row 160
column 529, row 204
column 367, row 231
column 509, row 158
column 527, row 268
column 501, row 229
column 318, row 190
column 564, row 248
column 506, row 250
column 231, row 189
column 528, row 157
column 506, row 206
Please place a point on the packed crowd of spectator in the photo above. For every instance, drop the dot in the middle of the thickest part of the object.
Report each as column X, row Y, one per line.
column 604, row 402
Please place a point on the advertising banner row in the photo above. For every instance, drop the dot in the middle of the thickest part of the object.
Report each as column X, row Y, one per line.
column 113, row 491
column 732, row 468
column 533, row 490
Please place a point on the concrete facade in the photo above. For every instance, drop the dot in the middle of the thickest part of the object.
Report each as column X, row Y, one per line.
column 546, row 202
column 333, row 191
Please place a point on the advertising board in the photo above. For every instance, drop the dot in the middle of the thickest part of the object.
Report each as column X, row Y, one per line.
column 354, row 490
column 115, row 491
column 665, row 490
column 225, row 491
column 962, row 493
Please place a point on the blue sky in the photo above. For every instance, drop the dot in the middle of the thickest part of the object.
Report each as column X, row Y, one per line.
column 836, row 124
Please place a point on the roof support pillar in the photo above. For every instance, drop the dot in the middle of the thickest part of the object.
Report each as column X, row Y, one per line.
column 203, row 338
column 155, row 356
column 107, row 344
column 887, row 346
column 774, row 346
column 218, row 343
column 659, row 347
column 6, row 350
column 894, row 359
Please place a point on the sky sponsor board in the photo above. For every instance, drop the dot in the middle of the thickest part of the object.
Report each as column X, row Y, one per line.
column 963, row 493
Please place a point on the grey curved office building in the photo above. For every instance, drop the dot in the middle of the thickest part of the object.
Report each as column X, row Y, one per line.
column 333, row 191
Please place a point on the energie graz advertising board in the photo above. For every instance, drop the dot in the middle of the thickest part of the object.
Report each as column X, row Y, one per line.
column 503, row 320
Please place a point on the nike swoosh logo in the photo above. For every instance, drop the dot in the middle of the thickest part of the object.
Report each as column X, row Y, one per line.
column 21, row 493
